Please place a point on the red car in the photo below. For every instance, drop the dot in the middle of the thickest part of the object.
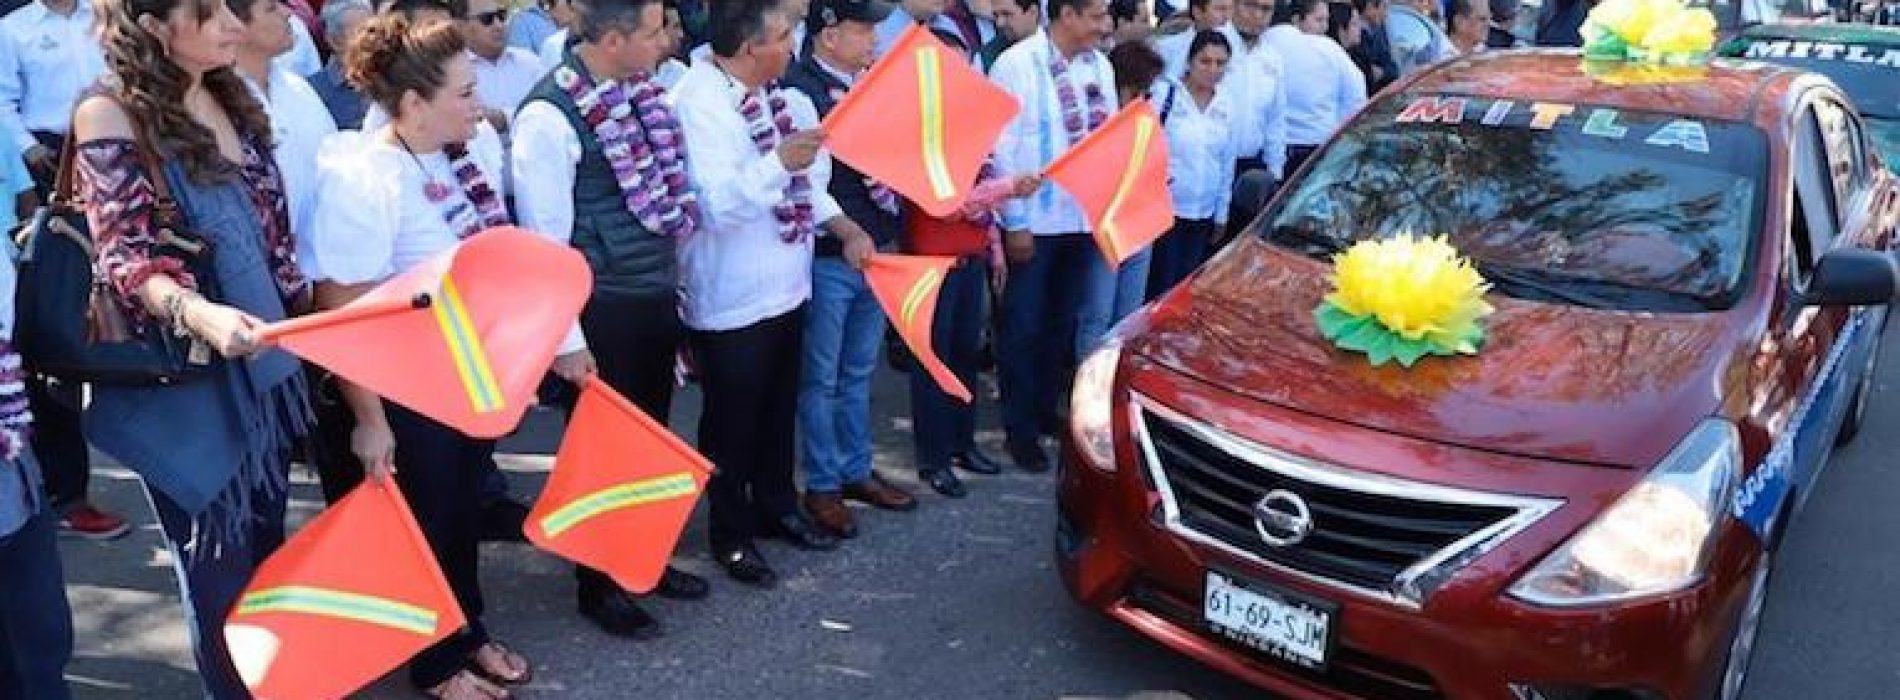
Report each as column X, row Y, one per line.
column 1690, row 270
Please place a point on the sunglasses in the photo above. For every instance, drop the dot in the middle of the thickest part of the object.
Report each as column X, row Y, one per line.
column 490, row 18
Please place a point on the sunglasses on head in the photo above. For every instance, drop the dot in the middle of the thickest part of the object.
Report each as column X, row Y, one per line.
column 489, row 18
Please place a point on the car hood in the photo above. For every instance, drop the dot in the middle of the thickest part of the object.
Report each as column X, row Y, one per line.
column 1554, row 382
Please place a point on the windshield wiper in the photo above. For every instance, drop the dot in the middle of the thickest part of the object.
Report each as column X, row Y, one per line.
column 1517, row 280
column 1311, row 243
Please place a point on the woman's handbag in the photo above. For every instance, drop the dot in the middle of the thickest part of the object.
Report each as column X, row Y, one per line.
column 70, row 325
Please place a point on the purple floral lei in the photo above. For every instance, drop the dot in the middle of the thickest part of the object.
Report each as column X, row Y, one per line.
column 642, row 142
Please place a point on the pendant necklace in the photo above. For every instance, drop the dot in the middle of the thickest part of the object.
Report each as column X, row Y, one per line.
column 433, row 189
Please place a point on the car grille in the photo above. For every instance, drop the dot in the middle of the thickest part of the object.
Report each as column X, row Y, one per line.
column 1362, row 538
column 1350, row 670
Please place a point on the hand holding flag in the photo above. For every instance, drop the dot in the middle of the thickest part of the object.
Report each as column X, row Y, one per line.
column 895, row 124
column 622, row 489
column 316, row 624
column 463, row 338
column 906, row 286
column 1119, row 176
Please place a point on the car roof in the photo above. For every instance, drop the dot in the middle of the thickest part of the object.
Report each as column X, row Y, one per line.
column 1826, row 31
column 1729, row 90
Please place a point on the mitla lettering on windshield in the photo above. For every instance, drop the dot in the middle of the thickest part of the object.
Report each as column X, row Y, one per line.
column 1825, row 51
column 1665, row 132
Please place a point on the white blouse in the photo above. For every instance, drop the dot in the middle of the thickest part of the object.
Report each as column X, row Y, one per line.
column 1201, row 149
column 373, row 219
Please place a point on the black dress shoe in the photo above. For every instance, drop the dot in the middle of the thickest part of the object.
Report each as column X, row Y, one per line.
column 616, row 612
column 502, row 521
column 680, row 585
column 975, row 462
column 745, row 565
column 1029, row 456
column 944, row 481
column 794, row 528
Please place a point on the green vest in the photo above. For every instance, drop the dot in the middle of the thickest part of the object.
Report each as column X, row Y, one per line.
column 628, row 261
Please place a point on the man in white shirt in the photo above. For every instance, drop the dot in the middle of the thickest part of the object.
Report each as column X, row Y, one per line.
column 1330, row 87
column 1468, row 24
column 50, row 53
column 503, row 73
column 1256, row 71
column 567, row 190
column 302, row 58
column 757, row 167
column 1208, row 15
column 1067, row 89
column 844, row 327
column 297, row 114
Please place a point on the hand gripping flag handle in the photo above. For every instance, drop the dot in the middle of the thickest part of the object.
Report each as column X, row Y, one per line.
column 348, row 314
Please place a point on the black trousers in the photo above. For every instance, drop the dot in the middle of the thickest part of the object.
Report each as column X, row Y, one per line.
column 440, row 471
column 634, row 342
column 43, row 179
column 59, row 442
column 750, row 376
column 327, row 448
column 36, row 623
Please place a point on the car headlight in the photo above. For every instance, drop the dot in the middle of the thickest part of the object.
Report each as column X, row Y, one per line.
column 1091, row 407
column 1656, row 538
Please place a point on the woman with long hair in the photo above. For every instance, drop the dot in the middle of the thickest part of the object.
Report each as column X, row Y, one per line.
column 213, row 452
column 387, row 200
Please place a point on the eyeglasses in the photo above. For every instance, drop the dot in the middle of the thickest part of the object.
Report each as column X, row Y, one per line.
column 490, row 18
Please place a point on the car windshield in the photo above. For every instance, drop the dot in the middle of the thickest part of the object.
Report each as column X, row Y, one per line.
column 1886, row 138
column 1868, row 73
column 1560, row 203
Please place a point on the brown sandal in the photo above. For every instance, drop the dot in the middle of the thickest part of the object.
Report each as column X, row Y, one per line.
column 468, row 685
column 499, row 663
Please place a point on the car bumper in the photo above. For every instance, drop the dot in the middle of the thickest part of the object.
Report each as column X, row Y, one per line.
column 1468, row 640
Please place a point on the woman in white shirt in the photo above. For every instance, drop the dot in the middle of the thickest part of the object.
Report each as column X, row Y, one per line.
column 1198, row 115
column 1328, row 89
column 387, row 200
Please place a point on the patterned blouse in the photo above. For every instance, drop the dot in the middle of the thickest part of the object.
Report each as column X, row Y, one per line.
column 119, row 201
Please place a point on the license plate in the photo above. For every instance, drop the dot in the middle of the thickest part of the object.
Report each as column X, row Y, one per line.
column 1287, row 627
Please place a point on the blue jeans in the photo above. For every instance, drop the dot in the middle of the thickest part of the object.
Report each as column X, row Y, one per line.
column 36, row 626
column 1112, row 296
column 843, row 334
column 1178, row 253
column 944, row 425
column 212, row 573
column 1035, row 348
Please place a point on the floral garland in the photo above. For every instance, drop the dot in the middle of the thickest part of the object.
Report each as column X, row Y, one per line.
column 482, row 195
column 16, row 417
column 642, row 143
column 1072, row 115
column 1402, row 298
column 795, row 215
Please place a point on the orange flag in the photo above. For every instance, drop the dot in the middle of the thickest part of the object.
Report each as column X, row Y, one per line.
column 906, row 286
column 622, row 488
column 463, row 338
column 350, row 597
column 895, row 124
column 1119, row 175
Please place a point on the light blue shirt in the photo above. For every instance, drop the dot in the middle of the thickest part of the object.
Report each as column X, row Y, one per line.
column 529, row 28
column 14, row 179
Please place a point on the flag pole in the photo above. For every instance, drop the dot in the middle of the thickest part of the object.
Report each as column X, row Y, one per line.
column 346, row 314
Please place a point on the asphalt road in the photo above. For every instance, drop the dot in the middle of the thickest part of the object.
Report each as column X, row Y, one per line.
column 956, row 600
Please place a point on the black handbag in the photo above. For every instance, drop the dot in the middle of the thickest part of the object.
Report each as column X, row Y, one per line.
column 69, row 324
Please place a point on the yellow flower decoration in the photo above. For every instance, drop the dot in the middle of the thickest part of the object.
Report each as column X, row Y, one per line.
column 1658, row 31
column 1403, row 298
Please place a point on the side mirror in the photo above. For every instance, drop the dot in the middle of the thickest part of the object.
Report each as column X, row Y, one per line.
column 1853, row 277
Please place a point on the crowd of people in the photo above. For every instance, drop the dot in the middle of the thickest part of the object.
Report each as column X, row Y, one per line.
column 677, row 147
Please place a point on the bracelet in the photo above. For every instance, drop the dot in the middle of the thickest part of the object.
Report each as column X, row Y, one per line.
column 175, row 310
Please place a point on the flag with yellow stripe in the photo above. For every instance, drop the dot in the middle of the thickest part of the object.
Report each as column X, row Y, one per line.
column 1119, row 176
column 463, row 338
column 906, row 286
column 316, row 622
column 921, row 121
column 622, row 489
